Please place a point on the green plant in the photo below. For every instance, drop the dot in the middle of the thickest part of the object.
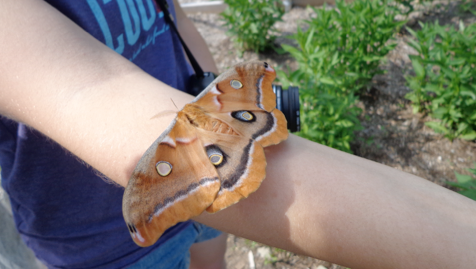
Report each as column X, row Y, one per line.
column 251, row 23
column 444, row 82
column 466, row 183
column 338, row 55
column 328, row 115
column 468, row 6
column 360, row 33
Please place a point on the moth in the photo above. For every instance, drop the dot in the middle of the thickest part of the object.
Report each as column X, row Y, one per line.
column 210, row 157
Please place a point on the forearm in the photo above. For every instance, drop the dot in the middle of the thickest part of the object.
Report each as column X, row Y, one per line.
column 64, row 83
column 341, row 208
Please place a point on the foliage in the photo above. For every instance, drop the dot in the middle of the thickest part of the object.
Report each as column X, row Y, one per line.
column 466, row 183
column 444, row 82
column 326, row 116
column 338, row 55
column 251, row 23
column 468, row 6
column 357, row 33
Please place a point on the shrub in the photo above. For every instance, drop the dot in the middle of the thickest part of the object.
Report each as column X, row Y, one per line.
column 444, row 82
column 251, row 23
column 338, row 55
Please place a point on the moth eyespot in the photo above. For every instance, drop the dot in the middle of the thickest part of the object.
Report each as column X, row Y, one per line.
column 236, row 84
column 163, row 168
column 216, row 159
column 215, row 155
column 245, row 116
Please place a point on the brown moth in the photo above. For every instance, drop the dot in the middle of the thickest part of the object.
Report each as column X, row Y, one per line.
column 210, row 157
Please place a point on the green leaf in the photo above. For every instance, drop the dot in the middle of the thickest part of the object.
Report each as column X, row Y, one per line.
column 440, row 112
column 327, row 80
column 371, row 58
column 463, row 179
column 469, row 136
column 469, row 193
column 437, row 127
column 457, row 185
column 457, row 61
column 469, row 94
column 473, row 116
column 418, row 68
column 461, row 26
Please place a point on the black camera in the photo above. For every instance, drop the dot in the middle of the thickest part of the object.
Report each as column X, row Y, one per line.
column 286, row 100
column 197, row 84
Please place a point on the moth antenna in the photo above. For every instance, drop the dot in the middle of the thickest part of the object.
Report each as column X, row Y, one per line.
column 163, row 113
column 166, row 112
column 174, row 103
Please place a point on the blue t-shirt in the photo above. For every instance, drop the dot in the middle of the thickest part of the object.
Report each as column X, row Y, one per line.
column 63, row 209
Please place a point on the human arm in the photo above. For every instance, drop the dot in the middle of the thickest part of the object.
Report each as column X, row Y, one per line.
column 58, row 79
column 53, row 60
column 315, row 200
column 331, row 205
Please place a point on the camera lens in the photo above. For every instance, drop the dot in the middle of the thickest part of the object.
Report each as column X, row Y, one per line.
column 198, row 84
column 288, row 102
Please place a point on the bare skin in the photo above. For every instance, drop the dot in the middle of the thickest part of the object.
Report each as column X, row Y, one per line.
column 315, row 200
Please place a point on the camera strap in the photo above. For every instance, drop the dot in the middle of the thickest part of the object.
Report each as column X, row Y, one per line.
column 170, row 20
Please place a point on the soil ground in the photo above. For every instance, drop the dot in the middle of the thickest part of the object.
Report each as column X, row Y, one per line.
column 399, row 138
